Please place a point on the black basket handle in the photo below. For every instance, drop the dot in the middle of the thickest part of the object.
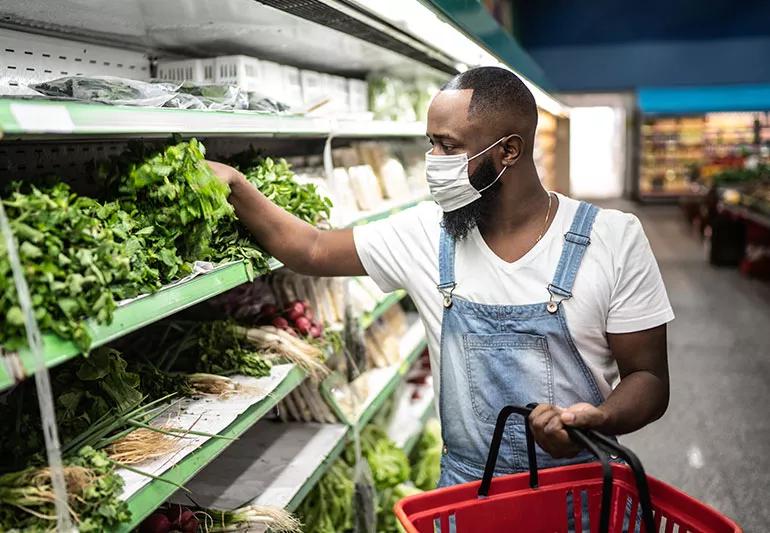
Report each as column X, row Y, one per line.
column 598, row 444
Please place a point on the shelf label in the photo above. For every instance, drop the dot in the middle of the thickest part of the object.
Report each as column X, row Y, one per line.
column 37, row 118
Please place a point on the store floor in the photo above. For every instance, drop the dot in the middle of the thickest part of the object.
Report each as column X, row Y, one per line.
column 714, row 441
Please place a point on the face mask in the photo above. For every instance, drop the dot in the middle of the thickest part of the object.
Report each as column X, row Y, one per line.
column 449, row 181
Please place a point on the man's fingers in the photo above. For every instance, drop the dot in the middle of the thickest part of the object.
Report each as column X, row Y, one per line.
column 582, row 415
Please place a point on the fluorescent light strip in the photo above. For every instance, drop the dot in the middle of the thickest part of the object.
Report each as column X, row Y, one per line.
column 422, row 22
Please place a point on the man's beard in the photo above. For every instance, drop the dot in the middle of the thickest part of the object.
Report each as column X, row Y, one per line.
column 460, row 222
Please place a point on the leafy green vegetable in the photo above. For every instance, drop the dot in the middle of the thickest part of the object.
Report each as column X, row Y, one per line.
column 79, row 257
column 426, row 457
column 328, row 507
column 85, row 391
column 275, row 180
column 177, row 196
column 26, row 496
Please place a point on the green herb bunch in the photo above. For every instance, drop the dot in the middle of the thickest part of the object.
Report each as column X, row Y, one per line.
column 328, row 508
column 79, row 257
column 26, row 496
column 176, row 194
column 274, row 179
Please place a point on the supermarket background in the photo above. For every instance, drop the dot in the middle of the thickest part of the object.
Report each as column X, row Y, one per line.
column 659, row 109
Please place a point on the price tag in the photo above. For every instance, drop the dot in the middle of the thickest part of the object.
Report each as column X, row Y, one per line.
column 38, row 118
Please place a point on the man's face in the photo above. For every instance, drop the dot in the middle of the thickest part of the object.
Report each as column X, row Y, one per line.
column 452, row 132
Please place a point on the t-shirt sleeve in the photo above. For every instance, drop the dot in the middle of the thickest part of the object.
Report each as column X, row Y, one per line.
column 386, row 247
column 639, row 300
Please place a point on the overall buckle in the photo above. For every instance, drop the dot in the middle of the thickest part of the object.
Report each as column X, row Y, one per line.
column 557, row 296
column 446, row 291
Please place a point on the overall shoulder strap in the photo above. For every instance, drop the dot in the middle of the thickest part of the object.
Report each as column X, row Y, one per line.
column 576, row 240
column 446, row 261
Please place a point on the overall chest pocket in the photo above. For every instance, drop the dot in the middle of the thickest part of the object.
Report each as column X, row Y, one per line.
column 507, row 369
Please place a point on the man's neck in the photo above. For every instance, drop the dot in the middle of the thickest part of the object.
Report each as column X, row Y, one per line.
column 521, row 200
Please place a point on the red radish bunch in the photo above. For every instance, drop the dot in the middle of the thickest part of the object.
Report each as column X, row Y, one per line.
column 297, row 318
column 174, row 519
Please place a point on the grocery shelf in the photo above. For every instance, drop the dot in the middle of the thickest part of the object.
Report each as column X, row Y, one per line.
column 747, row 214
column 147, row 499
column 382, row 307
column 410, row 416
column 131, row 317
column 380, row 383
column 273, row 464
column 390, row 208
column 22, row 118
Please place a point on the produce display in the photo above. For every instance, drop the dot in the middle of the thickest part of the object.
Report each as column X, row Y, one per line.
column 26, row 496
column 82, row 256
column 677, row 150
column 178, row 518
column 330, row 507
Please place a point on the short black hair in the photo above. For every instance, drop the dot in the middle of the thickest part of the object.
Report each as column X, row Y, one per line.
column 495, row 90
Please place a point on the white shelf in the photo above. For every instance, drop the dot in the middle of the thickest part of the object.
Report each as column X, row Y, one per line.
column 409, row 416
column 41, row 118
column 272, row 464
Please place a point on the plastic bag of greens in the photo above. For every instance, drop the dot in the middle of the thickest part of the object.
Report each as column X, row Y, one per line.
column 217, row 96
column 265, row 104
column 108, row 90
column 365, row 497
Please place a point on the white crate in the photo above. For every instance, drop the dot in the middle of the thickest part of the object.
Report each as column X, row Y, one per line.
column 194, row 70
column 337, row 88
column 358, row 96
column 271, row 80
column 291, row 86
column 243, row 71
column 313, row 87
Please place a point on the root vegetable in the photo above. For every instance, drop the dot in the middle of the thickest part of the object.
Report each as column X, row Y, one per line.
column 268, row 310
column 303, row 325
column 280, row 322
column 156, row 523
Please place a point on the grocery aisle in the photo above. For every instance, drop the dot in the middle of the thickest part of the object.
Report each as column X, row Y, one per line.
column 712, row 442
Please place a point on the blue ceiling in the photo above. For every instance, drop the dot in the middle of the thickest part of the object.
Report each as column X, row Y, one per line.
column 611, row 45
column 568, row 22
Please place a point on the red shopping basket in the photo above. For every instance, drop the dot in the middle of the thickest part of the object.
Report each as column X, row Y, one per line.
column 617, row 498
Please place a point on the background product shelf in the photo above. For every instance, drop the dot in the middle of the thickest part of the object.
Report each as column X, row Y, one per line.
column 147, row 499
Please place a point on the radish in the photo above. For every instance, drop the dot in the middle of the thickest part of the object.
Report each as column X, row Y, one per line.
column 268, row 310
column 188, row 523
column 315, row 332
column 303, row 325
column 309, row 313
column 294, row 314
column 296, row 307
column 317, row 325
column 280, row 322
column 156, row 523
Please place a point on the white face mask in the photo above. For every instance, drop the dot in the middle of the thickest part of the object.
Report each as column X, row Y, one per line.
column 449, row 181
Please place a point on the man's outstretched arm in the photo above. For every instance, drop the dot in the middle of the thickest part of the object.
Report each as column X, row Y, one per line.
column 297, row 244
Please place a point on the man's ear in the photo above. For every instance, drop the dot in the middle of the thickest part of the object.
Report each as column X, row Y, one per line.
column 513, row 146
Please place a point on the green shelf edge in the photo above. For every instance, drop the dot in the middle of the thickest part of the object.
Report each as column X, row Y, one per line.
column 23, row 117
column 389, row 301
column 136, row 315
column 390, row 387
column 385, row 213
column 144, row 502
column 318, row 473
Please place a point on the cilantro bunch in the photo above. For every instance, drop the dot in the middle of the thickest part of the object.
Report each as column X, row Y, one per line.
column 79, row 257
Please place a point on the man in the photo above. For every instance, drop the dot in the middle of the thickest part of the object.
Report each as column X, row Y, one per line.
column 526, row 296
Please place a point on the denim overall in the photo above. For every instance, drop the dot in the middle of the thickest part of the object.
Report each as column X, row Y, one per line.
column 496, row 355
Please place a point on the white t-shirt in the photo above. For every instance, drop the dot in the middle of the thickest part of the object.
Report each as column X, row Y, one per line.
column 618, row 288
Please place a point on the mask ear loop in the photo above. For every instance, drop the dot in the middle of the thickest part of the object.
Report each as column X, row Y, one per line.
column 485, row 150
